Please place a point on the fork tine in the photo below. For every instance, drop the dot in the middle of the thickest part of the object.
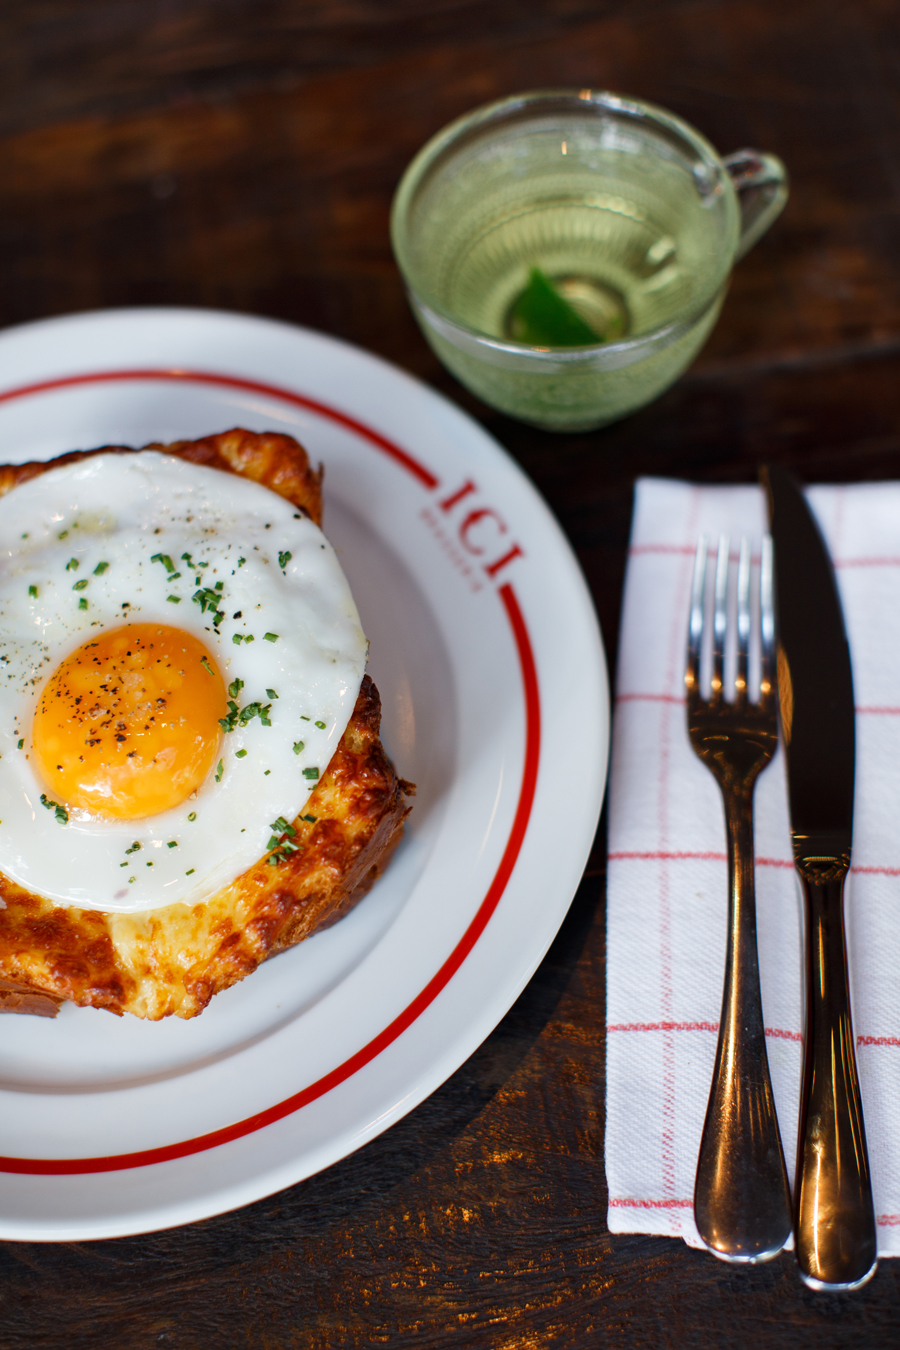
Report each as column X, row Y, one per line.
column 743, row 622
column 695, row 626
column 719, row 618
column 767, row 623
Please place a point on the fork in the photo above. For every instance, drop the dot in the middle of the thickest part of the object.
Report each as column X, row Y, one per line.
column 742, row 1203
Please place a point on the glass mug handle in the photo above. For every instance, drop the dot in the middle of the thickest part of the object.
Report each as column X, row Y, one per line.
column 761, row 183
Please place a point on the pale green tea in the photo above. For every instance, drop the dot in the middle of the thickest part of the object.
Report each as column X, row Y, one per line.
column 625, row 234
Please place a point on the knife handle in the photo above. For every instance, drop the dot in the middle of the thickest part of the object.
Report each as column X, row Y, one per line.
column 834, row 1213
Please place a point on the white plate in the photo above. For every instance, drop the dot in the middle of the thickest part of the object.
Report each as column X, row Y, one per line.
column 486, row 650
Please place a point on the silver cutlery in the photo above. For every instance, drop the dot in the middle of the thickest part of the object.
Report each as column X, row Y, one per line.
column 834, row 1212
column 741, row 1197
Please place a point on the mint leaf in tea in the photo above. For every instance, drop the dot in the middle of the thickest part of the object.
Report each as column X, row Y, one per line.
column 542, row 318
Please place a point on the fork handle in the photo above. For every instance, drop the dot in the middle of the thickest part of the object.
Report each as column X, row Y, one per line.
column 742, row 1203
column 836, row 1235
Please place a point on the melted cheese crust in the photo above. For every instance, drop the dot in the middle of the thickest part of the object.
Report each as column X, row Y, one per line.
column 174, row 959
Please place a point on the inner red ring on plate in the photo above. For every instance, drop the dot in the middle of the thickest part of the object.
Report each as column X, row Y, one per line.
column 147, row 1157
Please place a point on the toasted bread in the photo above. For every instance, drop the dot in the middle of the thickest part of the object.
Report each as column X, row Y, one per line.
column 175, row 958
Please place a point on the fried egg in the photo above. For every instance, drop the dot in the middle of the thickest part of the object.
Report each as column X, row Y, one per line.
column 180, row 654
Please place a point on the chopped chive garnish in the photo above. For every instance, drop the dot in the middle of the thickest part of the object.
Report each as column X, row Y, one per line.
column 192, row 816
column 298, row 747
column 72, row 564
column 19, row 746
column 229, row 722
column 312, row 819
column 82, row 603
column 61, row 813
column 186, row 557
column 206, row 666
column 131, row 879
column 241, row 717
column 311, row 773
column 235, row 688
column 321, row 726
column 270, row 693
column 208, row 599
column 190, row 872
column 32, row 591
column 240, row 754
column 100, row 569
column 80, row 585
column 173, row 843
column 284, row 559
column 135, row 847
column 282, row 840
column 220, row 769
column 237, row 639
column 62, row 534
column 303, row 717
column 165, row 560
column 174, row 599
column 270, row 637
column 241, row 561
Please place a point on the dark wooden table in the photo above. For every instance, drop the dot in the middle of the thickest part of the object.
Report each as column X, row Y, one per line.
column 242, row 154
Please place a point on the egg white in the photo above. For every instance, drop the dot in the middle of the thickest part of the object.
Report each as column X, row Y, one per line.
column 126, row 510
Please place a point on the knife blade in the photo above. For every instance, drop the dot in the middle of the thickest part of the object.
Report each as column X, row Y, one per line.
column 834, row 1218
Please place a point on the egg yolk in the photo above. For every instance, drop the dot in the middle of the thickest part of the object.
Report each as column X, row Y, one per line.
column 128, row 725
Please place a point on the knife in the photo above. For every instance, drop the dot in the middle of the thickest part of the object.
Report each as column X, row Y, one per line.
column 834, row 1218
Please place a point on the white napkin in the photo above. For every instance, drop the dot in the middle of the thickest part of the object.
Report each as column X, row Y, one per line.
column 667, row 897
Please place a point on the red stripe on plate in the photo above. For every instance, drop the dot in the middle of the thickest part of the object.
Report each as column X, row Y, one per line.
column 149, row 1157
column 419, row 471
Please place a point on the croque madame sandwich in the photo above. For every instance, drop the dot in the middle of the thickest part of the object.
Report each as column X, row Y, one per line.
column 191, row 777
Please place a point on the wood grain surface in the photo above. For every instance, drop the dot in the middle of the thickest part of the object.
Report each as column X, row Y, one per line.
column 243, row 155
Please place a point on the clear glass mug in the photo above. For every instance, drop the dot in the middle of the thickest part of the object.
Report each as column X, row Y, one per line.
column 631, row 214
